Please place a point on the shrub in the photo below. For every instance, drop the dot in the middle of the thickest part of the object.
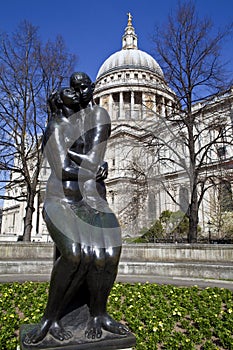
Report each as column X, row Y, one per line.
column 170, row 226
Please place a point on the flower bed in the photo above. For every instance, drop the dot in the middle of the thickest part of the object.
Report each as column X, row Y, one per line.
column 161, row 316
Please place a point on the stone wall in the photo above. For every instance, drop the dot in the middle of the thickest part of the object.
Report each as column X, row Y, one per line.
column 130, row 252
column 27, row 251
column 181, row 260
column 178, row 252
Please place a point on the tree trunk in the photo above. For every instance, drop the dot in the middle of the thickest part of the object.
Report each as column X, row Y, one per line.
column 193, row 217
column 28, row 216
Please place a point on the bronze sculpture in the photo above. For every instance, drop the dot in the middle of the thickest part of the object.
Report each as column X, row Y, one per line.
column 84, row 229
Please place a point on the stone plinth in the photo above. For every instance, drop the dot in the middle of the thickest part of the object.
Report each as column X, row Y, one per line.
column 76, row 322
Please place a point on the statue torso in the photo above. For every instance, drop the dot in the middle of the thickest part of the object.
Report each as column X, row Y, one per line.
column 75, row 132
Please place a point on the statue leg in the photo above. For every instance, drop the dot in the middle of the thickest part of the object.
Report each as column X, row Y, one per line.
column 64, row 270
column 78, row 288
column 95, row 285
column 112, row 256
column 104, row 269
column 100, row 319
column 61, row 278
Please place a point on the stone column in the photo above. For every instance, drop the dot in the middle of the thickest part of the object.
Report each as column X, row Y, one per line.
column 143, row 106
column 163, row 106
column 170, row 107
column 110, row 106
column 132, row 105
column 154, row 102
column 121, row 107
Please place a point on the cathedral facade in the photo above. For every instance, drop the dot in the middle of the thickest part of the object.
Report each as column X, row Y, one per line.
column 130, row 85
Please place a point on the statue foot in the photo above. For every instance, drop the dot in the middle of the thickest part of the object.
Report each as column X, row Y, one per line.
column 110, row 325
column 93, row 330
column 59, row 333
column 96, row 324
column 38, row 333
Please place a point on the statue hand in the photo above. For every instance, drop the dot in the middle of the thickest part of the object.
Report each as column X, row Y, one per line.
column 102, row 172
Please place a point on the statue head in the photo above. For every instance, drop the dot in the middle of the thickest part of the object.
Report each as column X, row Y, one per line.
column 83, row 85
column 69, row 97
column 66, row 97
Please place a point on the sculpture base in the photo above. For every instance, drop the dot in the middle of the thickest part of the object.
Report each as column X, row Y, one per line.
column 76, row 322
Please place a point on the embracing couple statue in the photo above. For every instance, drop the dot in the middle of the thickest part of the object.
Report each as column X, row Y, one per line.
column 85, row 230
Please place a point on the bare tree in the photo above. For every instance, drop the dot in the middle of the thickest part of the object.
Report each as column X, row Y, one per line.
column 190, row 55
column 29, row 71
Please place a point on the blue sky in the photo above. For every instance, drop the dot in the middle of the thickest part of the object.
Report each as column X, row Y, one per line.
column 93, row 29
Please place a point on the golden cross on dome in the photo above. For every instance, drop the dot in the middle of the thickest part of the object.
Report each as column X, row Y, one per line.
column 129, row 19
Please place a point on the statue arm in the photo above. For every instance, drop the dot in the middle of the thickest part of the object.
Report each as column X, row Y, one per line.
column 56, row 153
column 72, row 173
column 95, row 140
column 93, row 159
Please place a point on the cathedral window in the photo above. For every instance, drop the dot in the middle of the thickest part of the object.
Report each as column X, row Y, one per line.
column 126, row 96
column 115, row 97
column 138, row 98
column 222, row 151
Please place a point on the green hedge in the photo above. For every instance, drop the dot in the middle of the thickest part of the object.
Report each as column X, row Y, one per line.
column 161, row 316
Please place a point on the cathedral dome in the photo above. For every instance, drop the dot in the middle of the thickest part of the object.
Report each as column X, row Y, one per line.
column 130, row 58
column 130, row 84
